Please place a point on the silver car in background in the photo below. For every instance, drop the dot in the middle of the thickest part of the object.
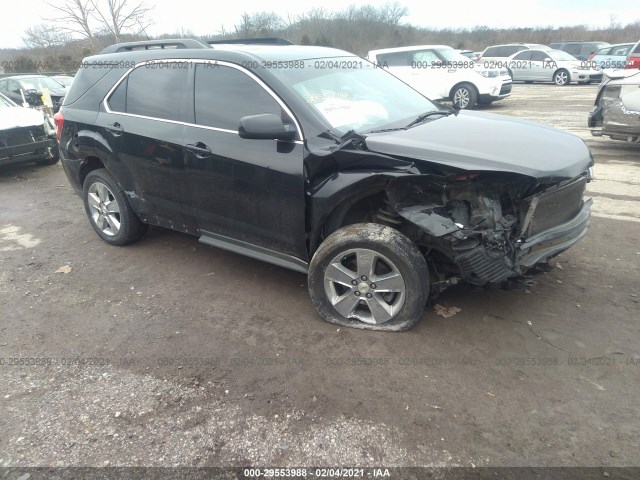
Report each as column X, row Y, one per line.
column 612, row 56
column 554, row 66
column 616, row 113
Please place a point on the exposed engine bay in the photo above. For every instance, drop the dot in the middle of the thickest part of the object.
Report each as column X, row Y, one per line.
column 484, row 228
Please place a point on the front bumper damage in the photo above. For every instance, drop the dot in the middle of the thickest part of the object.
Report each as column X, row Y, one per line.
column 27, row 144
column 480, row 236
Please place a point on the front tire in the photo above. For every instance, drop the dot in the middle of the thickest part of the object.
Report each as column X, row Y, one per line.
column 561, row 78
column 369, row 276
column 109, row 211
column 465, row 96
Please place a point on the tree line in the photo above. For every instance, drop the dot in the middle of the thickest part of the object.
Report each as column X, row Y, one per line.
column 84, row 27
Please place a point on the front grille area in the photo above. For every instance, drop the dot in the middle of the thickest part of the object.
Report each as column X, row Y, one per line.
column 556, row 206
column 21, row 136
column 506, row 88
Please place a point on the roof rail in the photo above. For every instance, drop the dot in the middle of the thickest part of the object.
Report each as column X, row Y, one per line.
column 252, row 41
column 155, row 44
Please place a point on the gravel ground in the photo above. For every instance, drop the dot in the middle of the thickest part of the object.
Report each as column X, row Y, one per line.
column 171, row 353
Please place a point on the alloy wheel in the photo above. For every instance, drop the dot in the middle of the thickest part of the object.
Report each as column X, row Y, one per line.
column 104, row 208
column 364, row 285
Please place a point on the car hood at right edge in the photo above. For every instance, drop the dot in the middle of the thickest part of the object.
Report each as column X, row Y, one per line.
column 478, row 141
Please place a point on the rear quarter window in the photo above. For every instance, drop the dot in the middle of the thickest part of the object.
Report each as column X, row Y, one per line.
column 398, row 59
column 89, row 73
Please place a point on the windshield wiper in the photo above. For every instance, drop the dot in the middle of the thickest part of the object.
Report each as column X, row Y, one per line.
column 422, row 117
column 384, row 130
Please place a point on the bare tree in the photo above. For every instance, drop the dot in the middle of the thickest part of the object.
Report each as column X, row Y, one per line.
column 74, row 16
column 45, row 37
column 120, row 16
column 392, row 13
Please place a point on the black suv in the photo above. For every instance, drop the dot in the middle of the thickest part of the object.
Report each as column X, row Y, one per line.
column 316, row 160
column 580, row 50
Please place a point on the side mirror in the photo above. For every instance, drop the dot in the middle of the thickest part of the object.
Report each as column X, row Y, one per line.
column 266, row 126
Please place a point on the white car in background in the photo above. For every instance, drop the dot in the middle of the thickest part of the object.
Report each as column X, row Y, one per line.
column 441, row 73
column 26, row 135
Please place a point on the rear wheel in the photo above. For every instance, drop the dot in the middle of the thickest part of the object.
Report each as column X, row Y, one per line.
column 369, row 276
column 109, row 211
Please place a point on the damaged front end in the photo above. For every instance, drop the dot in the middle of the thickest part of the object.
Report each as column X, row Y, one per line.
column 487, row 227
column 617, row 110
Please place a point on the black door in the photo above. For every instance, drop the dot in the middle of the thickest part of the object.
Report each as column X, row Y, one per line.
column 144, row 128
column 251, row 191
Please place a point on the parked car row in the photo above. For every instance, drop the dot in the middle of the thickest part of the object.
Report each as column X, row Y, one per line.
column 440, row 72
column 29, row 89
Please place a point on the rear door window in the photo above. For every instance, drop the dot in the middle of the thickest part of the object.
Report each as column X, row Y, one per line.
column 538, row 56
column 523, row 56
column 153, row 90
column 573, row 48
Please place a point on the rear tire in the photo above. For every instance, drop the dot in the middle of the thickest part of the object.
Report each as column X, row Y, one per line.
column 109, row 211
column 390, row 275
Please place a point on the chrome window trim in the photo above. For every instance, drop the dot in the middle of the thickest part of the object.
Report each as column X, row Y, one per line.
column 266, row 88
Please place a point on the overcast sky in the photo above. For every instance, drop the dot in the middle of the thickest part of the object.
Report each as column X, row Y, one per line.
column 201, row 17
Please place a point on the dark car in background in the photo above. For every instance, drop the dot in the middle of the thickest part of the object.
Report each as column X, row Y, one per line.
column 580, row 50
column 316, row 160
column 21, row 88
column 64, row 80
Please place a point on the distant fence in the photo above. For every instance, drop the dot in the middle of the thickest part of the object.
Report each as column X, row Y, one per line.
column 48, row 74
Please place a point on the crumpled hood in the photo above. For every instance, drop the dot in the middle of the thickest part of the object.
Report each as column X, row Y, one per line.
column 485, row 141
column 13, row 117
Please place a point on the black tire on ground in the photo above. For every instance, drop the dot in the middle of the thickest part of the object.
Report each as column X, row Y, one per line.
column 384, row 244
column 48, row 161
column 468, row 91
column 559, row 75
column 130, row 226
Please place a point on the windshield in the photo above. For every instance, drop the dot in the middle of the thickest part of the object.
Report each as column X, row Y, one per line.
column 38, row 83
column 560, row 56
column 450, row 55
column 351, row 93
column 64, row 81
column 5, row 102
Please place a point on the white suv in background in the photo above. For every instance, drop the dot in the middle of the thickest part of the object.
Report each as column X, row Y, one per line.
column 439, row 72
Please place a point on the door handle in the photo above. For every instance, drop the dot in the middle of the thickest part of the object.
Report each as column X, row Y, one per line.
column 199, row 149
column 115, row 128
